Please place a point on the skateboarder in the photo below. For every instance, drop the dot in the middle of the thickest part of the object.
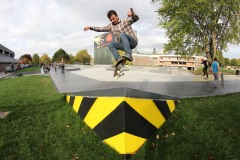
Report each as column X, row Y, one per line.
column 215, row 69
column 126, row 38
column 205, row 72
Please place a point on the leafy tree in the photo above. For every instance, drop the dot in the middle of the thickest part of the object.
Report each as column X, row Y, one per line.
column 71, row 58
column 59, row 55
column 235, row 62
column 220, row 58
column 35, row 60
column 227, row 61
column 26, row 59
column 45, row 59
column 201, row 26
column 82, row 57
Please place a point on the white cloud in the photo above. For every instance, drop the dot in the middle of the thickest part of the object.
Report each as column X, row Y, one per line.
column 45, row 26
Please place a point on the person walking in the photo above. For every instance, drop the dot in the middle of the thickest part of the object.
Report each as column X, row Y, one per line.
column 126, row 38
column 215, row 69
column 55, row 66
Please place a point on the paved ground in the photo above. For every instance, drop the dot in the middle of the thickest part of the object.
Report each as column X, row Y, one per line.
column 99, row 81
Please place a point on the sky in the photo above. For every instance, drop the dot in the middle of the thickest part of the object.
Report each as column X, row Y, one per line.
column 45, row 26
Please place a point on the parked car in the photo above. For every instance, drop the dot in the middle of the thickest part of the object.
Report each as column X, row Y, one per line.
column 26, row 65
column 8, row 69
column 22, row 66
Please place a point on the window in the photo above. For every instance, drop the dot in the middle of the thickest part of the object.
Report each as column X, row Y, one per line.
column 184, row 63
column 174, row 62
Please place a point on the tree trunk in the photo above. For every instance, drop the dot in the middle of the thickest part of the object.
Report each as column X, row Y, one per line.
column 213, row 44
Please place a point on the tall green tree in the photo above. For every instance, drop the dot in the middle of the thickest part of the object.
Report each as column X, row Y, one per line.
column 35, row 60
column 227, row 61
column 201, row 26
column 235, row 62
column 71, row 59
column 58, row 55
column 82, row 57
column 219, row 56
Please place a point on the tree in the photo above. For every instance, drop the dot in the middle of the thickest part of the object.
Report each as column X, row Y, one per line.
column 45, row 59
column 202, row 26
column 227, row 62
column 59, row 55
column 234, row 62
column 71, row 59
column 26, row 59
column 219, row 56
column 35, row 60
column 82, row 57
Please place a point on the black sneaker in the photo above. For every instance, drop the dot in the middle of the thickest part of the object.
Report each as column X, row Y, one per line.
column 119, row 65
column 128, row 57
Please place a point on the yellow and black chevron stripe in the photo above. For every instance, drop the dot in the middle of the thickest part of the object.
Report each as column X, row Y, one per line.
column 123, row 123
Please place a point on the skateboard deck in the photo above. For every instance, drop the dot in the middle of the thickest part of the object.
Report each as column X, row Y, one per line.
column 222, row 80
column 119, row 69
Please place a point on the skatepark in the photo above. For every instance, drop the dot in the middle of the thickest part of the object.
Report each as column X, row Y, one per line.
column 175, row 82
column 130, row 109
column 125, row 112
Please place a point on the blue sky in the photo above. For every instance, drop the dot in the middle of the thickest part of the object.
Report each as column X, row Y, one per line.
column 44, row 26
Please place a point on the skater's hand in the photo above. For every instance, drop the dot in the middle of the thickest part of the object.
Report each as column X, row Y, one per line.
column 86, row 28
column 129, row 13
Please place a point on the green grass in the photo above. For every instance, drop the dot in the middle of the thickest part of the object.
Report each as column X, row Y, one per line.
column 225, row 71
column 31, row 69
column 43, row 126
column 200, row 128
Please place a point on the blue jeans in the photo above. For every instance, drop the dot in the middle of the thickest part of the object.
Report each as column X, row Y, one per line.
column 127, row 43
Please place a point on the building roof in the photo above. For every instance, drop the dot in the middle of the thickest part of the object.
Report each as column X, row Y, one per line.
column 7, row 59
column 5, row 49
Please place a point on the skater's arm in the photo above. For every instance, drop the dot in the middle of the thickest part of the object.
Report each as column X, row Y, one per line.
column 98, row 29
column 132, row 17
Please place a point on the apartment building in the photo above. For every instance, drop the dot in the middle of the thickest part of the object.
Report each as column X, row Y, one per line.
column 191, row 63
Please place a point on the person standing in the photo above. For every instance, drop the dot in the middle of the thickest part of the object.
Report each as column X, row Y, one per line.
column 62, row 65
column 215, row 69
column 205, row 68
column 55, row 66
column 126, row 38
column 12, row 67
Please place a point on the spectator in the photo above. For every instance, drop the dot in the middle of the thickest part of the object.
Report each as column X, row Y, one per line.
column 215, row 69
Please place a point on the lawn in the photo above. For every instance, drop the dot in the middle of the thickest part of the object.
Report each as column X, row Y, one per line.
column 225, row 71
column 29, row 69
column 42, row 125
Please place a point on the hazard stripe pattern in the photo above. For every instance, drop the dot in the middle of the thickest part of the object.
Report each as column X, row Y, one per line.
column 121, row 122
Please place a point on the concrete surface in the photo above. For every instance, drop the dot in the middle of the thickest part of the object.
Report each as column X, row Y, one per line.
column 176, row 82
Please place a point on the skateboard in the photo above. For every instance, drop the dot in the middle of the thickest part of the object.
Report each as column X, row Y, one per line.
column 222, row 80
column 119, row 68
